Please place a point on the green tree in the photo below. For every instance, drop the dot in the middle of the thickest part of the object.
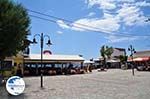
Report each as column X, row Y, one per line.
column 123, row 59
column 14, row 28
column 103, row 51
column 106, row 52
column 109, row 51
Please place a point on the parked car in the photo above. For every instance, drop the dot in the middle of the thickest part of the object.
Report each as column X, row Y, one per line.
column 140, row 68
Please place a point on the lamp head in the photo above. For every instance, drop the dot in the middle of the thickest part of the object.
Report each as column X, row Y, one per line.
column 147, row 20
column 49, row 42
column 34, row 41
column 128, row 49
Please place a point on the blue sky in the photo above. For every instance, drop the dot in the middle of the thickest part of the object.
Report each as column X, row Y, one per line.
column 109, row 18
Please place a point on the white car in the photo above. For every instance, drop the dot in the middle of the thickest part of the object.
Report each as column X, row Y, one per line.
column 141, row 68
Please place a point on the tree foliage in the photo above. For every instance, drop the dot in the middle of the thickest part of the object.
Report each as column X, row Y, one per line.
column 123, row 59
column 102, row 51
column 14, row 28
column 106, row 53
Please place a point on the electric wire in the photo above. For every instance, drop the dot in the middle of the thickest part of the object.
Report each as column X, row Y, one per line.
column 80, row 26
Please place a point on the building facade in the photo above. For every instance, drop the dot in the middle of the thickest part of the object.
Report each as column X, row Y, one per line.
column 114, row 62
column 142, row 60
column 117, row 52
column 142, row 54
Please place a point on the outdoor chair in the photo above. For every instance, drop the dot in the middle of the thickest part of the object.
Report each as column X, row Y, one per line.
column 52, row 72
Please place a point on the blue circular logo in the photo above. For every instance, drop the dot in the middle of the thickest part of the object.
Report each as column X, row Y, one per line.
column 15, row 85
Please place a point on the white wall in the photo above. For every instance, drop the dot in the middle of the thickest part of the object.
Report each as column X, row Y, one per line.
column 117, row 52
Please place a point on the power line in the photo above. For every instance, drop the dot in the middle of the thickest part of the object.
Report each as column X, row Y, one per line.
column 120, row 34
column 82, row 26
column 56, row 22
column 74, row 26
column 42, row 18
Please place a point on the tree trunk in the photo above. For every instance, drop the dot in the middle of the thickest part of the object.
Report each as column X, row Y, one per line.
column 104, row 62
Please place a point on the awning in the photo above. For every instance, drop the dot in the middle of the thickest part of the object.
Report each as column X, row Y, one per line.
column 138, row 59
column 88, row 62
column 112, row 61
column 49, row 57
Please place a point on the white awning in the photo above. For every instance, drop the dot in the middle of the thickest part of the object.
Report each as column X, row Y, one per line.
column 55, row 57
column 88, row 62
column 112, row 60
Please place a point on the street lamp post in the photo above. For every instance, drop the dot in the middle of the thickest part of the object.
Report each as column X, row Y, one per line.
column 132, row 50
column 147, row 20
column 41, row 45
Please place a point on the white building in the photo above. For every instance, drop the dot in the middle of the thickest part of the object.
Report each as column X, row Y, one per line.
column 114, row 62
column 117, row 52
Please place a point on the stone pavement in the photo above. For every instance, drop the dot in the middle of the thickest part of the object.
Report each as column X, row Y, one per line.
column 113, row 84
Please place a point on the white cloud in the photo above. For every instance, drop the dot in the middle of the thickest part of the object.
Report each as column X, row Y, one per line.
column 115, row 39
column 127, row 10
column 126, row 1
column 142, row 4
column 107, row 5
column 91, row 14
column 104, row 25
column 62, row 24
column 107, row 15
column 125, row 13
column 112, row 4
column 103, row 4
column 59, row 32
column 131, row 15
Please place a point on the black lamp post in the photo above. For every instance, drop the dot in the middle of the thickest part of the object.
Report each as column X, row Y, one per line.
column 41, row 41
column 147, row 20
column 132, row 50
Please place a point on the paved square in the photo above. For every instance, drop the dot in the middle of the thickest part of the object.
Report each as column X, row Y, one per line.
column 113, row 84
